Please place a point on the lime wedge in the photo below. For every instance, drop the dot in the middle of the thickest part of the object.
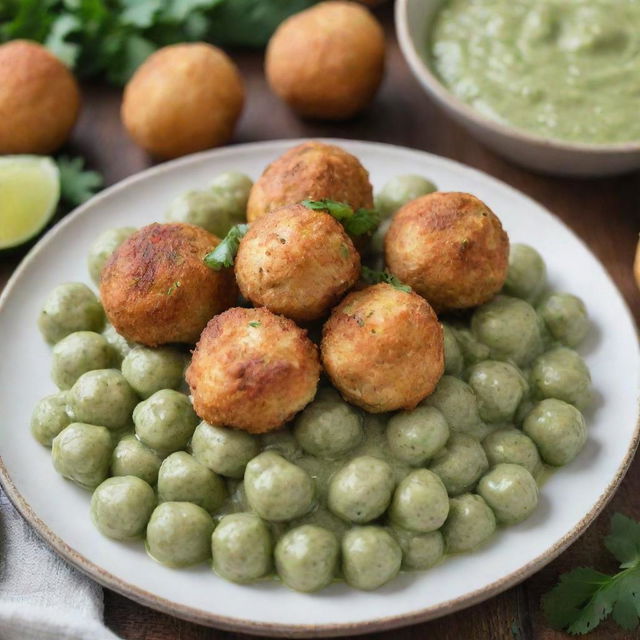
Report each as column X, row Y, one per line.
column 29, row 193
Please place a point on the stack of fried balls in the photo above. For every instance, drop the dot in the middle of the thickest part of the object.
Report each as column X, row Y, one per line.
column 255, row 367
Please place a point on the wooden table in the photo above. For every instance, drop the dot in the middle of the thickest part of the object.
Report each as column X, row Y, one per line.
column 605, row 213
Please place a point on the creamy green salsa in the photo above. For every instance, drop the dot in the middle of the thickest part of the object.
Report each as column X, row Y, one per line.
column 567, row 69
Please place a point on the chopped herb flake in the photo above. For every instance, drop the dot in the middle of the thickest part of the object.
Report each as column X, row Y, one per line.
column 374, row 277
column 172, row 289
column 255, row 324
column 356, row 223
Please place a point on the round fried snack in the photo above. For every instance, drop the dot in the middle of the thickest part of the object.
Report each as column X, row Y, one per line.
column 155, row 287
column 328, row 61
column 39, row 99
column 297, row 262
column 450, row 248
column 252, row 370
column 383, row 348
column 312, row 170
column 183, row 98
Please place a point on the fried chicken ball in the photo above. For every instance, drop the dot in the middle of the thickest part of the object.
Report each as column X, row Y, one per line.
column 156, row 289
column 183, row 98
column 450, row 248
column 313, row 170
column 328, row 61
column 296, row 262
column 383, row 348
column 252, row 370
column 39, row 99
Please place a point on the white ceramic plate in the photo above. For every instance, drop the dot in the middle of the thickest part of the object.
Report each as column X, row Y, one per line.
column 60, row 511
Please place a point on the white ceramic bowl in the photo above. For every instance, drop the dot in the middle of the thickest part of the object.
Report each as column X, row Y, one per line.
column 413, row 20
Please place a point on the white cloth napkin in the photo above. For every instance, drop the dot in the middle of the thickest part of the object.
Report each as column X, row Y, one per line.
column 41, row 596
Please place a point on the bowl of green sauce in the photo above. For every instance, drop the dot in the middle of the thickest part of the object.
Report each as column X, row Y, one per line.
column 550, row 84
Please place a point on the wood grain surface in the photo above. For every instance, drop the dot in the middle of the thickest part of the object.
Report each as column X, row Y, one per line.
column 605, row 213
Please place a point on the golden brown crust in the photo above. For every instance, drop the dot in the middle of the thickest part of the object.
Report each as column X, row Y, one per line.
column 312, row 170
column 183, row 98
column 156, row 289
column 328, row 61
column 252, row 370
column 296, row 262
column 450, row 248
column 383, row 348
column 39, row 99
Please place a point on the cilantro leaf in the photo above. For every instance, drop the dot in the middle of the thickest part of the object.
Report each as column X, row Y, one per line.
column 626, row 611
column 76, row 183
column 374, row 277
column 564, row 603
column 584, row 597
column 250, row 22
column 225, row 253
column 355, row 223
column 63, row 27
column 624, row 540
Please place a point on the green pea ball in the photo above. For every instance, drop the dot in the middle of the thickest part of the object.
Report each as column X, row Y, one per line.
column 78, row 353
column 526, row 276
column 511, row 491
column 565, row 315
column 306, row 558
column 471, row 522
column 179, row 534
column 133, row 458
column 558, row 429
column 223, row 450
column 50, row 417
column 400, row 190
column 121, row 507
column 241, row 547
column 102, row 248
column 149, row 370
column 82, row 453
column 415, row 436
column 70, row 307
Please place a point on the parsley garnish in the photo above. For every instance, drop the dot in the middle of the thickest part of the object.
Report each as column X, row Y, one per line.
column 225, row 253
column 356, row 223
column 374, row 277
column 76, row 183
column 585, row 597
column 255, row 324
column 171, row 290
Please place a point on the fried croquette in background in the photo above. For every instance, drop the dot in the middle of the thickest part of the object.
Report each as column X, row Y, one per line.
column 156, row 289
column 297, row 262
column 39, row 99
column 312, row 170
column 328, row 61
column 383, row 348
column 252, row 370
column 183, row 98
column 450, row 248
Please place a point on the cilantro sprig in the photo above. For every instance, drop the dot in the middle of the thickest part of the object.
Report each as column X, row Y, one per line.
column 224, row 254
column 375, row 277
column 77, row 184
column 356, row 223
column 585, row 597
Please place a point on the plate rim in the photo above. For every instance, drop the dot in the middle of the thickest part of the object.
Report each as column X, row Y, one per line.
column 199, row 616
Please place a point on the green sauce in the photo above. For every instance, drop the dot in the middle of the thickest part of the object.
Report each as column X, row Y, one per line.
column 567, row 69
